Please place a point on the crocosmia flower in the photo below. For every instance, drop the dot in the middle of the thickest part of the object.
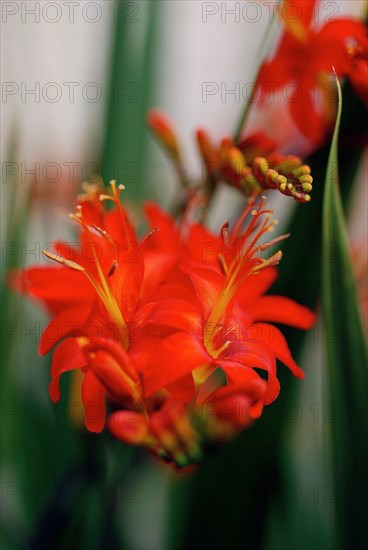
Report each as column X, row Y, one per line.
column 173, row 332
column 305, row 59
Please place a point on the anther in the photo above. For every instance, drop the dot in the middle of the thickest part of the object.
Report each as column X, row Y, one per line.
column 113, row 268
column 63, row 261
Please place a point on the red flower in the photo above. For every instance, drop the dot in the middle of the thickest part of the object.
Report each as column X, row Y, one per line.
column 216, row 317
column 94, row 299
column 212, row 306
column 172, row 330
column 306, row 57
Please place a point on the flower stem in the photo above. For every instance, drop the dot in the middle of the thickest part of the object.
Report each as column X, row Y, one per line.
column 262, row 55
column 246, row 110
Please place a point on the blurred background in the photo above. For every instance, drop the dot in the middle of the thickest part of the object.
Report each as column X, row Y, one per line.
column 77, row 81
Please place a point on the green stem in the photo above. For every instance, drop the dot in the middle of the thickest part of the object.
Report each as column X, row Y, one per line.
column 246, row 110
column 262, row 55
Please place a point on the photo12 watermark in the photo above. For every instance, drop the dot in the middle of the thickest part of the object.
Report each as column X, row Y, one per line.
column 70, row 12
column 269, row 93
column 69, row 92
column 68, row 172
column 267, row 10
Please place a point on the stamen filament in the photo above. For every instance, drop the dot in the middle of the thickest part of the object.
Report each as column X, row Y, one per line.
column 110, row 300
column 244, row 263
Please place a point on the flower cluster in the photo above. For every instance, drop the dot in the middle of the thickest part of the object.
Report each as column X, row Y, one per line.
column 172, row 332
column 255, row 164
column 250, row 165
column 302, row 70
column 306, row 58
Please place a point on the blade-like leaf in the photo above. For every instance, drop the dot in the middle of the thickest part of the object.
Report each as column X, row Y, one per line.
column 346, row 362
column 131, row 85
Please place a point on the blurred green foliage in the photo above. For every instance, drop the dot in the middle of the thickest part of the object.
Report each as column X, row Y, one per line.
column 346, row 360
column 131, row 84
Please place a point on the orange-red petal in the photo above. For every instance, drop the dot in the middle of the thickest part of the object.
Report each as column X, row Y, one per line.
column 278, row 309
column 111, row 374
column 276, row 341
column 67, row 356
column 177, row 356
column 65, row 323
column 179, row 314
column 257, row 356
column 208, row 286
column 93, row 397
column 255, row 286
column 128, row 426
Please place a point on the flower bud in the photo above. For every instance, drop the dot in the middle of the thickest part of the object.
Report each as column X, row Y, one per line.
column 163, row 130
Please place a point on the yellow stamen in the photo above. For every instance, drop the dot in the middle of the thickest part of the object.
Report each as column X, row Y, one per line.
column 63, row 261
column 104, row 293
column 223, row 265
column 274, row 260
column 77, row 267
column 243, row 265
column 110, row 299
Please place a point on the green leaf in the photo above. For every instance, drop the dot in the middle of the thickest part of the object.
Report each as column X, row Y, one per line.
column 131, row 84
column 346, row 362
